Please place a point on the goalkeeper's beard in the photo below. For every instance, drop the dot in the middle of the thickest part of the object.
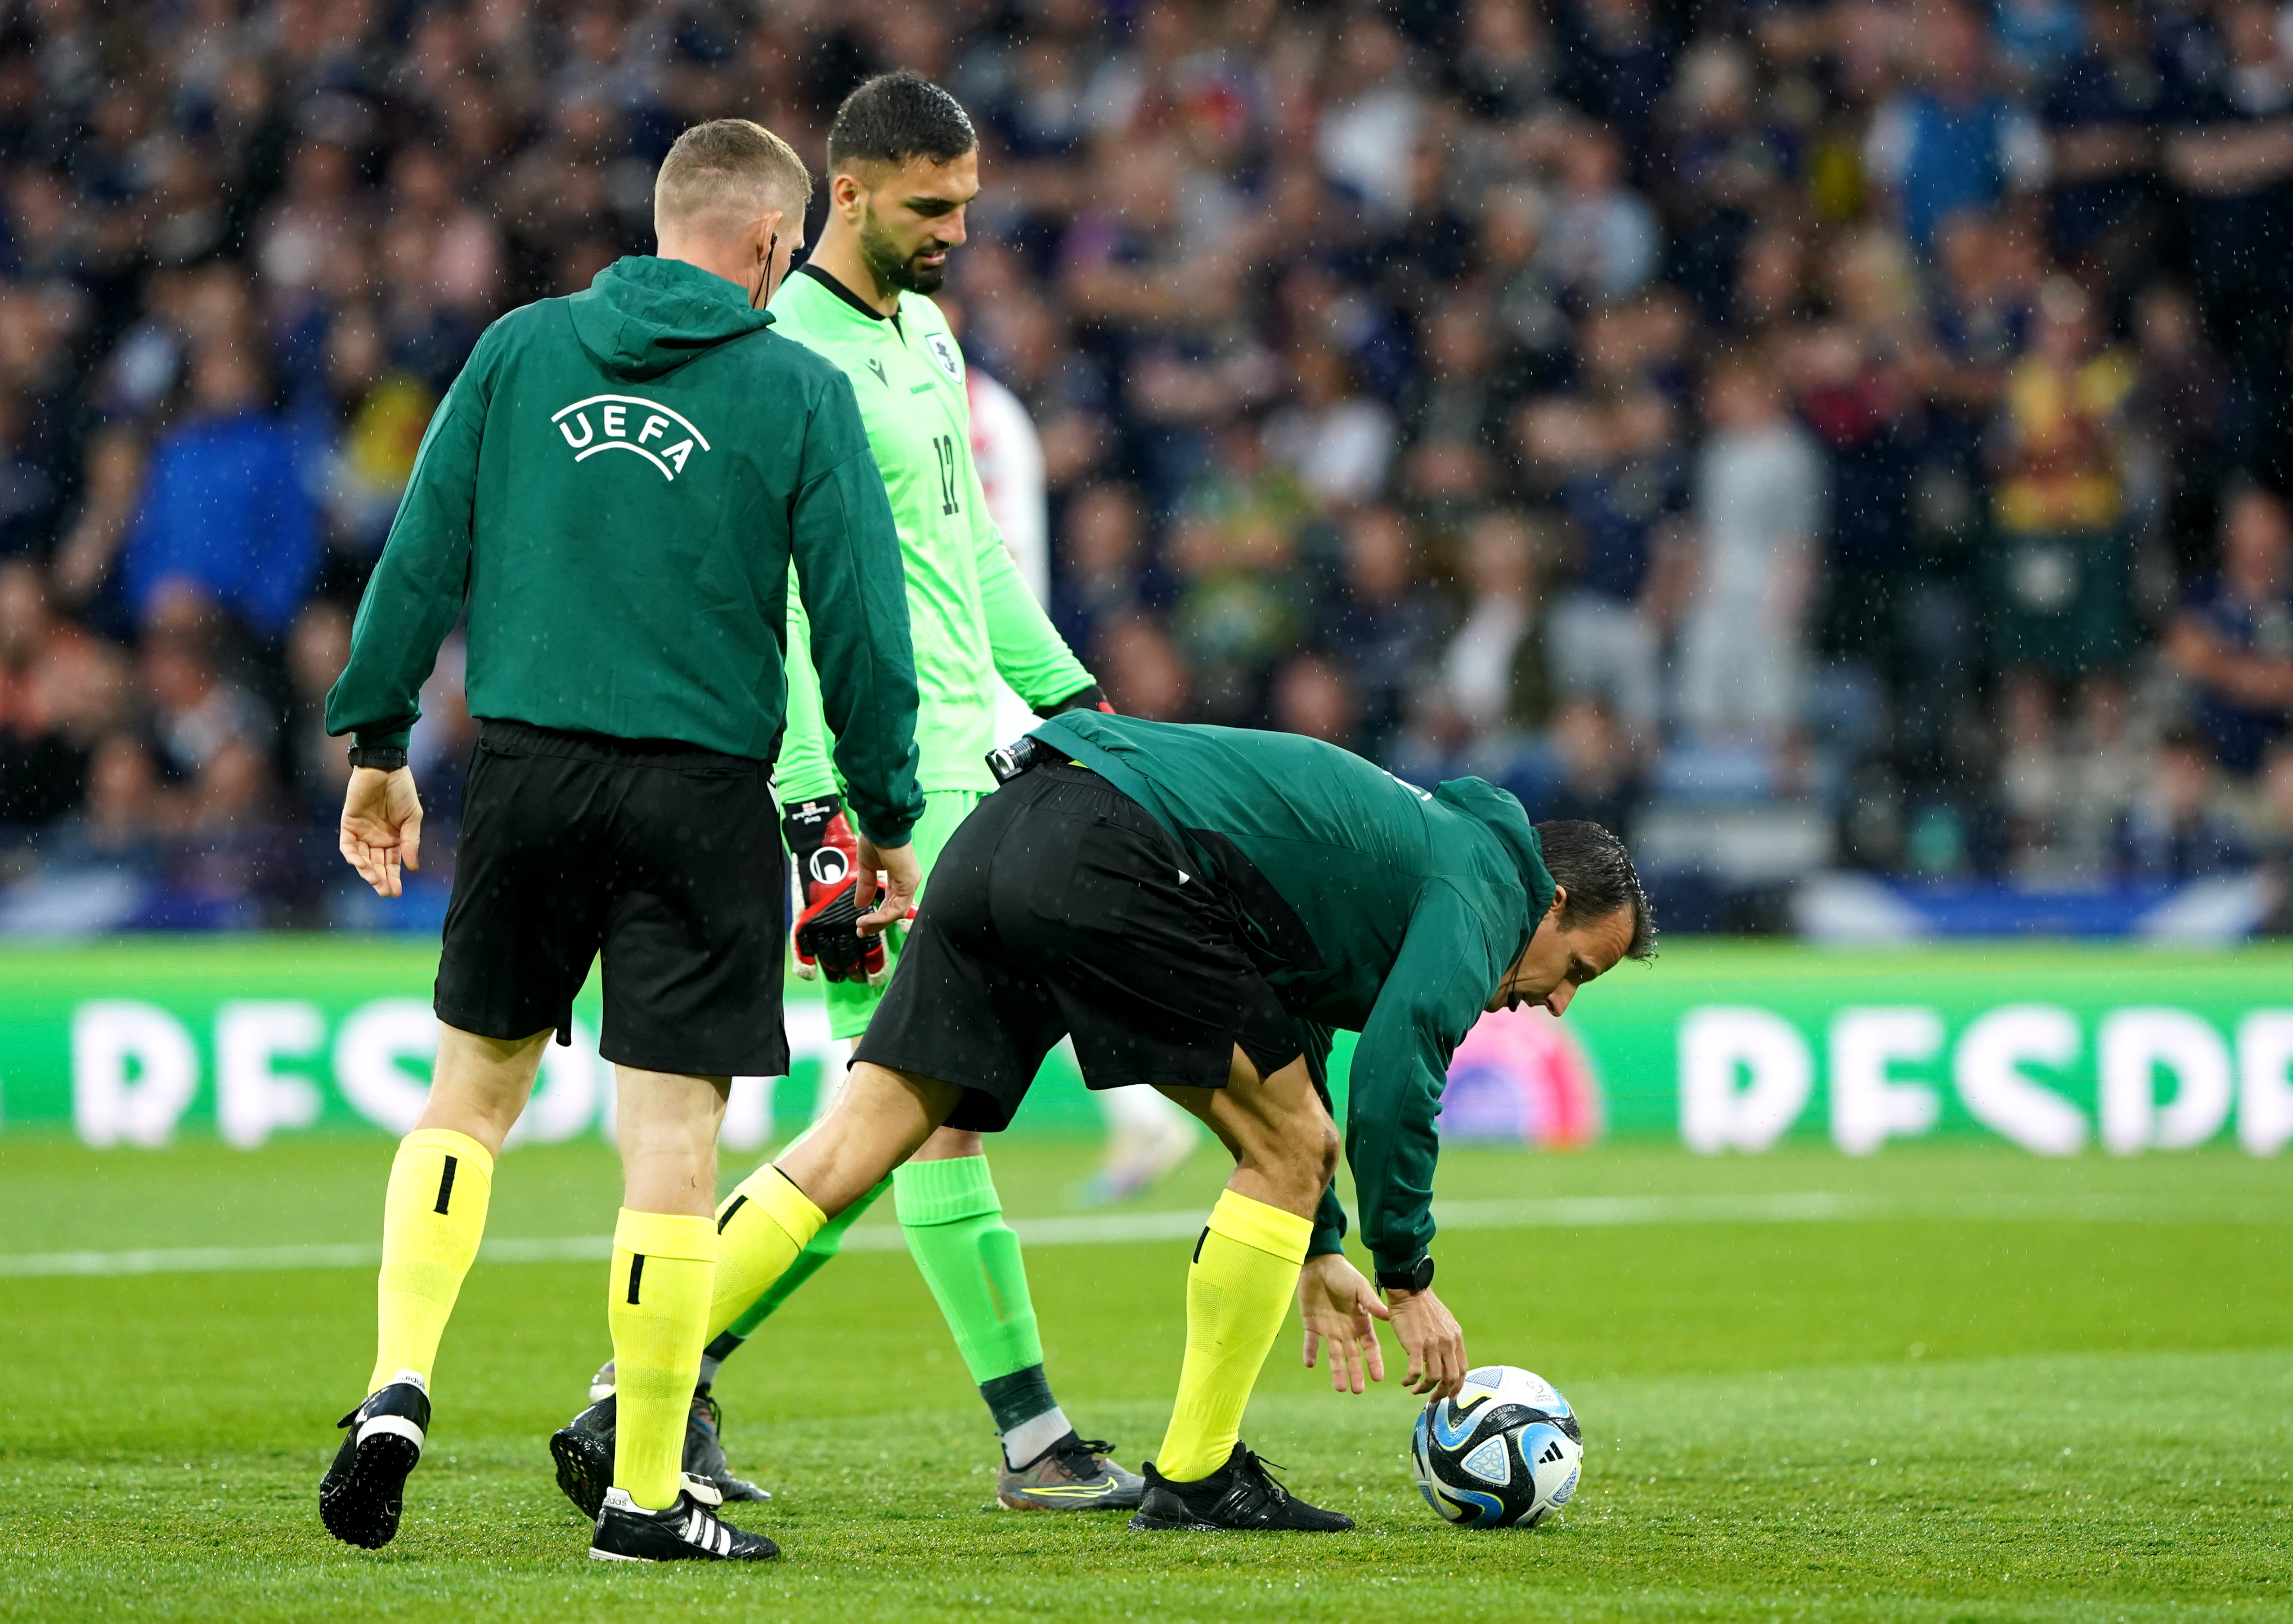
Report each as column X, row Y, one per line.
column 894, row 270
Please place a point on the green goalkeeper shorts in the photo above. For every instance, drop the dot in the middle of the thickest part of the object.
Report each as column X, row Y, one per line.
column 851, row 1002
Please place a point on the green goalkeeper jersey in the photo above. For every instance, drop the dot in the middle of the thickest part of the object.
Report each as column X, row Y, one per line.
column 969, row 614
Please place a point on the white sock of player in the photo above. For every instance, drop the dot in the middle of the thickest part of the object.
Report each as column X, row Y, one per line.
column 1028, row 1440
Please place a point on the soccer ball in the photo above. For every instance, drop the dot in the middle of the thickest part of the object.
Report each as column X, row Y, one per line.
column 1504, row 1451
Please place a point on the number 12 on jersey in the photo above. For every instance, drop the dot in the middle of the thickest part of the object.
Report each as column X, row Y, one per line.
column 944, row 444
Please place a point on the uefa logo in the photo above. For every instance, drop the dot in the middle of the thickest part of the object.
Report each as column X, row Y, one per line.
column 629, row 422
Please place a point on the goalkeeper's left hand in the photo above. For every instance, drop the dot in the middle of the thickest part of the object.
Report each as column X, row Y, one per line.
column 1339, row 1307
column 827, row 855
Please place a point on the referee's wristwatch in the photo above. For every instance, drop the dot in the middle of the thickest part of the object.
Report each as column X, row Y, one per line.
column 382, row 758
column 1416, row 1277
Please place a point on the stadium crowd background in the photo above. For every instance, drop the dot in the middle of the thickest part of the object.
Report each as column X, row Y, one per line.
column 1845, row 426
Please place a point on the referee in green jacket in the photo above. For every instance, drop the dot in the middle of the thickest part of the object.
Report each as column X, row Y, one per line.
column 1198, row 908
column 615, row 490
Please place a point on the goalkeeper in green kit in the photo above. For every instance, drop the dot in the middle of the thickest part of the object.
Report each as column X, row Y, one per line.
column 903, row 163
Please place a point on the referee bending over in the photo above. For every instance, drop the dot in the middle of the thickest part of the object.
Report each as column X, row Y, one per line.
column 626, row 626
column 1198, row 908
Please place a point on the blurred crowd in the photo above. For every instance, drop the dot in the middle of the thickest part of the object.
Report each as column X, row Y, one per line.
column 1873, row 412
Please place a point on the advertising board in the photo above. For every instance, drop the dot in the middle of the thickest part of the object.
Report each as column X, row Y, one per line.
column 1728, row 1047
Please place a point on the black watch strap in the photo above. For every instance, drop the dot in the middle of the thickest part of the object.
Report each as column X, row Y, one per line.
column 1416, row 1277
column 382, row 758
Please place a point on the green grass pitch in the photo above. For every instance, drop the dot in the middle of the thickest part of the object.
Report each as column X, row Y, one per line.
column 2023, row 1391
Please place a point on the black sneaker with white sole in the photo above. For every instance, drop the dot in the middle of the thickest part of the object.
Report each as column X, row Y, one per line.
column 1238, row 1496
column 690, row 1530
column 583, row 1448
column 362, row 1493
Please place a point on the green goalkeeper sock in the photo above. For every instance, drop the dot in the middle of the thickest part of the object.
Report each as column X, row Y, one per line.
column 970, row 1260
column 815, row 1257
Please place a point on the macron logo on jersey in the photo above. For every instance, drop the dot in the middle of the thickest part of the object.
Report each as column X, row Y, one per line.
column 629, row 422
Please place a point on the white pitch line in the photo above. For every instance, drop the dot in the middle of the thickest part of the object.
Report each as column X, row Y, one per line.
column 1110, row 1229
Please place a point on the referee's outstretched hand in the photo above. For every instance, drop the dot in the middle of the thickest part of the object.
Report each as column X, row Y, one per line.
column 1339, row 1310
column 382, row 826
column 895, row 900
column 1428, row 1333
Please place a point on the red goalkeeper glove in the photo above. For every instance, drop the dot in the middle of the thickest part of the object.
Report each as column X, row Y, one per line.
column 827, row 862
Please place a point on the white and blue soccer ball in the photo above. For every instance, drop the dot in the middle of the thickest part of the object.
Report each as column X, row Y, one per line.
column 1503, row 1451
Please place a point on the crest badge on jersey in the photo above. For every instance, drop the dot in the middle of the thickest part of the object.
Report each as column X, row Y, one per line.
column 942, row 351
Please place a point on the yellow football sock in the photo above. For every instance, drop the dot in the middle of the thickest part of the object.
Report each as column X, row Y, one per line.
column 657, row 1302
column 431, row 1221
column 1245, row 1273
column 760, row 1228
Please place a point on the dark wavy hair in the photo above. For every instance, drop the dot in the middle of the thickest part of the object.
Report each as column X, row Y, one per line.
column 1593, row 867
column 896, row 117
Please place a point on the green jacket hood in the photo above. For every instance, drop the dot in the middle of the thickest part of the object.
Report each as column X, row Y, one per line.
column 1499, row 813
column 644, row 318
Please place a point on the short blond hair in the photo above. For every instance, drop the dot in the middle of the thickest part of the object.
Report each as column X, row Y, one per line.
column 729, row 165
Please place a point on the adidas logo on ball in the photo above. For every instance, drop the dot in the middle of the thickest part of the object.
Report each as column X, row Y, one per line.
column 1464, row 1450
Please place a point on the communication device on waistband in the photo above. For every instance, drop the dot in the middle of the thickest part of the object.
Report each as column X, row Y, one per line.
column 1008, row 761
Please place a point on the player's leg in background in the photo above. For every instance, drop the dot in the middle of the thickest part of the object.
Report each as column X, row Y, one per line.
column 1148, row 1139
column 434, row 1217
column 970, row 1257
column 1245, row 1265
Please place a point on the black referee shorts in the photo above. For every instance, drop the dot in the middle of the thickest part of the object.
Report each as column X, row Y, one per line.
column 1060, row 907
column 664, row 856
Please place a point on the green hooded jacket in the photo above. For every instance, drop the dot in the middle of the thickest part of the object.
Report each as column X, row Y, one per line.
column 644, row 596
column 1368, row 905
